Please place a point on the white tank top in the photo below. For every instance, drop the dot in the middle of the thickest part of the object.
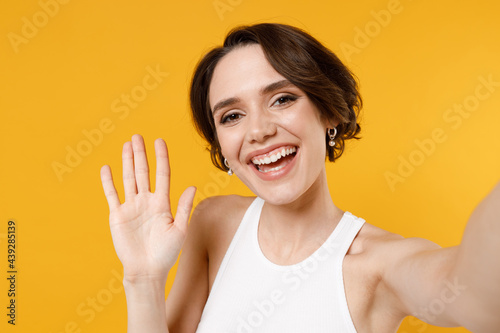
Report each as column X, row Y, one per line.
column 251, row 294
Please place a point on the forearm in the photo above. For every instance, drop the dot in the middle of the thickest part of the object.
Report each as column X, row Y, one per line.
column 146, row 306
column 478, row 266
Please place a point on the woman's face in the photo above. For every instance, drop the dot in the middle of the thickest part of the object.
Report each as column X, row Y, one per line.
column 269, row 131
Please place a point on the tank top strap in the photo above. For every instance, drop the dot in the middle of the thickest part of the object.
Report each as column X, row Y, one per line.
column 348, row 228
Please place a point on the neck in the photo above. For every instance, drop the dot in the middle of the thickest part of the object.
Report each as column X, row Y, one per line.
column 304, row 222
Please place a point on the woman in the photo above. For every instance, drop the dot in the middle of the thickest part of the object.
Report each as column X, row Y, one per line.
column 272, row 103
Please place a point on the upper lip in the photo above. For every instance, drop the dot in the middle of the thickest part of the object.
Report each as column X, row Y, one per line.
column 266, row 150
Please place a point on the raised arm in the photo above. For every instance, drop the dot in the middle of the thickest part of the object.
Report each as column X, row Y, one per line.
column 456, row 286
column 478, row 266
column 146, row 236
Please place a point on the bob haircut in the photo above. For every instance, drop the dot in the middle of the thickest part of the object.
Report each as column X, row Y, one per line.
column 303, row 61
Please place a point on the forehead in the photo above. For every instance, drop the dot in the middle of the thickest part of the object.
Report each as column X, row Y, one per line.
column 242, row 71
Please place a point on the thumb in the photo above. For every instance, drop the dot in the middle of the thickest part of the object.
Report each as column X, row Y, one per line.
column 184, row 208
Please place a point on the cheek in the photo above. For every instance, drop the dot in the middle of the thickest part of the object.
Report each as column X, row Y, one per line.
column 228, row 141
column 308, row 127
column 313, row 137
column 317, row 145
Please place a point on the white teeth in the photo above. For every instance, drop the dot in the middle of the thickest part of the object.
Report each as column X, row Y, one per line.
column 273, row 169
column 274, row 157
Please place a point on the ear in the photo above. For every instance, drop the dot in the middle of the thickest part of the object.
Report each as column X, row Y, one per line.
column 331, row 123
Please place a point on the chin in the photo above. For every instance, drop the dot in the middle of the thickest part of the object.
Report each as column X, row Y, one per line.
column 280, row 195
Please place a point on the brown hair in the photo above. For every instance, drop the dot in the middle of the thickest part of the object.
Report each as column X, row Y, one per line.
column 302, row 60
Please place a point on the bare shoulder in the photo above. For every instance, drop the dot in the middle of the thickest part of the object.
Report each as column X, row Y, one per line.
column 223, row 207
column 218, row 215
column 382, row 252
column 372, row 240
column 375, row 258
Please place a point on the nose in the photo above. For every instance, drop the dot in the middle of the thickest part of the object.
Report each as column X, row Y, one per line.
column 262, row 126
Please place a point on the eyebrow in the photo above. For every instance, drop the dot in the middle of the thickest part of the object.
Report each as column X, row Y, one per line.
column 265, row 90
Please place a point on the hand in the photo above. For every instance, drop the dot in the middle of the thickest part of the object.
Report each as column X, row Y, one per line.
column 146, row 237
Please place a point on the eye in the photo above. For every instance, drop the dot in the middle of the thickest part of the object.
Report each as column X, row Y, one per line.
column 285, row 99
column 230, row 118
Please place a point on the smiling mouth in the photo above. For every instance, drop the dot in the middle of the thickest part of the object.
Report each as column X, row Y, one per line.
column 275, row 160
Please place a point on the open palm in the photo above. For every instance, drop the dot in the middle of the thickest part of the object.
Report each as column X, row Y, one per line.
column 146, row 236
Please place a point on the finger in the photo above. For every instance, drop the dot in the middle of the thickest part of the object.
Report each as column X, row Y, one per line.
column 162, row 169
column 128, row 171
column 141, row 167
column 109, row 188
column 184, row 208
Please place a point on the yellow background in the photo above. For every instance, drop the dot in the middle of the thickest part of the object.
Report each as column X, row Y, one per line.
column 64, row 79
